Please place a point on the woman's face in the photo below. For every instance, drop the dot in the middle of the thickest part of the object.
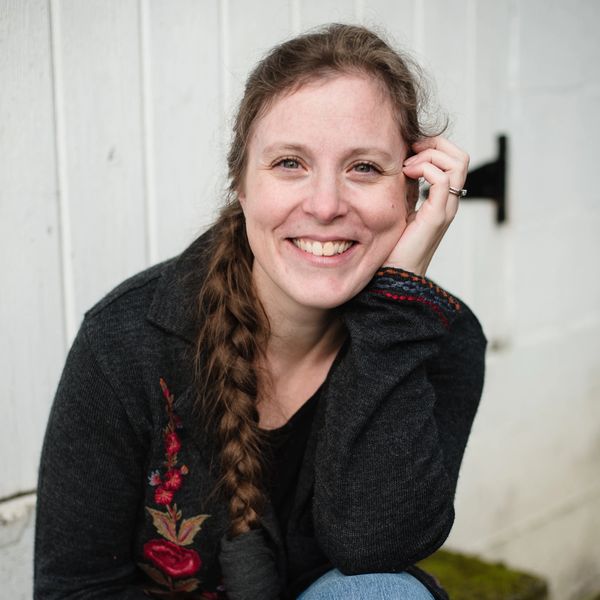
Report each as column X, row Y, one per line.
column 323, row 193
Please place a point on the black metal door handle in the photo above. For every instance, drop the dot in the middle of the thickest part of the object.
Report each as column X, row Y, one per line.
column 488, row 181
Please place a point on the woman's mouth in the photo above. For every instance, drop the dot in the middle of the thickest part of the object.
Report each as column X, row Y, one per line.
column 317, row 248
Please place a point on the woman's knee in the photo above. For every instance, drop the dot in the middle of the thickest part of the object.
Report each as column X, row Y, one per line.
column 371, row 586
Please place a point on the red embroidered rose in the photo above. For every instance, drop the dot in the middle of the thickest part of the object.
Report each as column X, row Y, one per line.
column 172, row 443
column 172, row 559
column 163, row 496
column 173, row 480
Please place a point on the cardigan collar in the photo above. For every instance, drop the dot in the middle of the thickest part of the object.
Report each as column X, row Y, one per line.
column 174, row 304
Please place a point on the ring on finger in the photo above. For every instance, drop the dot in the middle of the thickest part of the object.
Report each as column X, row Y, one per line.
column 461, row 193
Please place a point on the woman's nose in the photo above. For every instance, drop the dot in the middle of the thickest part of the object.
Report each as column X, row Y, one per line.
column 325, row 200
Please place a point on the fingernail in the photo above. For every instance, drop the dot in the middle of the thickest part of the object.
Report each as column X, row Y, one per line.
column 410, row 160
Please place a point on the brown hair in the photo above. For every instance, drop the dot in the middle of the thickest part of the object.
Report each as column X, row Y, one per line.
column 235, row 329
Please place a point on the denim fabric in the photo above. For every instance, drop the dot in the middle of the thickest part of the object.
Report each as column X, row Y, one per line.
column 372, row 586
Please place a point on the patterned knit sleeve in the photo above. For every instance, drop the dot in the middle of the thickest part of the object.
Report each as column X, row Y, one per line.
column 393, row 435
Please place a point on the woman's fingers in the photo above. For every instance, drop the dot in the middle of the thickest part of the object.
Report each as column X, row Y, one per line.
column 445, row 155
column 442, row 165
column 449, row 165
column 444, row 161
column 439, row 201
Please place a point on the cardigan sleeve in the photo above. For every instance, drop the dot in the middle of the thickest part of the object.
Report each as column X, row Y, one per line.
column 397, row 417
column 89, row 486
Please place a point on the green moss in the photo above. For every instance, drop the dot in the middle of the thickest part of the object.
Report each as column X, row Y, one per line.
column 469, row 578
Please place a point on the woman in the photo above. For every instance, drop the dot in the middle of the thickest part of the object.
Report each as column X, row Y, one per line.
column 281, row 411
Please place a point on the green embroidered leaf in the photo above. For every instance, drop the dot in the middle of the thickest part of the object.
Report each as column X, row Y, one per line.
column 164, row 524
column 187, row 585
column 189, row 528
column 154, row 574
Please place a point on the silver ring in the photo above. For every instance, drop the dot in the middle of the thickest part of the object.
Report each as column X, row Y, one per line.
column 460, row 193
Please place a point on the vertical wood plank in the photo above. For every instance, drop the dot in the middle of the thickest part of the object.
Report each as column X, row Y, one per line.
column 98, row 50
column 394, row 18
column 447, row 57
column 184, row 119
column 320, row 12
column 446, row 60
column 31, row 334
column 488, row 116
column 491, row 84
column 252, row 29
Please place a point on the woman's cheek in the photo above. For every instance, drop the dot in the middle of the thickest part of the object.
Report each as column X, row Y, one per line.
column 391, row 227
column 393, row 221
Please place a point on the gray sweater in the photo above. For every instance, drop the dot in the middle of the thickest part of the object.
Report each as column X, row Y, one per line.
column 124, row 499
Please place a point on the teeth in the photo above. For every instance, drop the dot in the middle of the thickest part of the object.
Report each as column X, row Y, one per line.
column 322, row 249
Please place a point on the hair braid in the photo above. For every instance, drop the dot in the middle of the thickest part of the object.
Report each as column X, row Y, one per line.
column 230, row 344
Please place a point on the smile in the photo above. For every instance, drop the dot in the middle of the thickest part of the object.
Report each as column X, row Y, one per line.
column 317, row 248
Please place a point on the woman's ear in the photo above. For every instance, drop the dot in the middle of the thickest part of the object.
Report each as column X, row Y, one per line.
column 241, row 196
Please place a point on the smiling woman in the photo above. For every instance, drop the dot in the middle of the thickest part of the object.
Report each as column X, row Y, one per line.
column 282, row 410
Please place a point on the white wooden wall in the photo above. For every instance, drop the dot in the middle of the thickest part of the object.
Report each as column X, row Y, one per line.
column 114, row 118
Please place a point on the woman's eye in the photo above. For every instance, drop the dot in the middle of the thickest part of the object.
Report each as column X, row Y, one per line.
column 288, row 163
column 366, row 168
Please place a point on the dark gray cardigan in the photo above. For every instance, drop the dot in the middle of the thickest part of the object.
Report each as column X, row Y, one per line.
column 124, row 498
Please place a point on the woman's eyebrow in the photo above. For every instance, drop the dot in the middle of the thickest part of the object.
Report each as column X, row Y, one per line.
column 302, row 149
column 370, row 151
column 284, row 147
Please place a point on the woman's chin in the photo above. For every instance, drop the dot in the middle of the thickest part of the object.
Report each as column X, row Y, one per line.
column 326, row 296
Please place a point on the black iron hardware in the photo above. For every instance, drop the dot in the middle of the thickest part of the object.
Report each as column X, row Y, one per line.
column 489, row 180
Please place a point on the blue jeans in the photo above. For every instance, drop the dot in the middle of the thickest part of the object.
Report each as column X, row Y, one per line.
column 372, row 586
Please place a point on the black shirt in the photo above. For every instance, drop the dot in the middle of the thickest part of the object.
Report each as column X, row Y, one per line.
column 285, row 454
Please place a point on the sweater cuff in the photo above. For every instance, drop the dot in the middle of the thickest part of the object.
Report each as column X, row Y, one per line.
column 403, row 286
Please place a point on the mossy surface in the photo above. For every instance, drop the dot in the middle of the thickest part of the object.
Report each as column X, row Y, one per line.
column 469, row 578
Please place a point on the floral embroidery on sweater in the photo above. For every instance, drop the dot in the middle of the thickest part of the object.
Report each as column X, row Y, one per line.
column 172, row 564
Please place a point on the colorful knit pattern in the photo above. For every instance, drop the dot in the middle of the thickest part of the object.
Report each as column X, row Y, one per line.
column 403, row 286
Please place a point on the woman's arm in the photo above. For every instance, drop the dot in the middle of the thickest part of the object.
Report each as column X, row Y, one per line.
column 400, row 403
column 91, row 478
column 389, row 452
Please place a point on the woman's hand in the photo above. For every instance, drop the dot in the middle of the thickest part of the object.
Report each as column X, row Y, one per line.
column 442, row 165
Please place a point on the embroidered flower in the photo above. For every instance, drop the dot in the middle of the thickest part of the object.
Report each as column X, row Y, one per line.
column 172, row 443
column 172, row 559
column 173, row 480
column 163, row 496
column 154, row 478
